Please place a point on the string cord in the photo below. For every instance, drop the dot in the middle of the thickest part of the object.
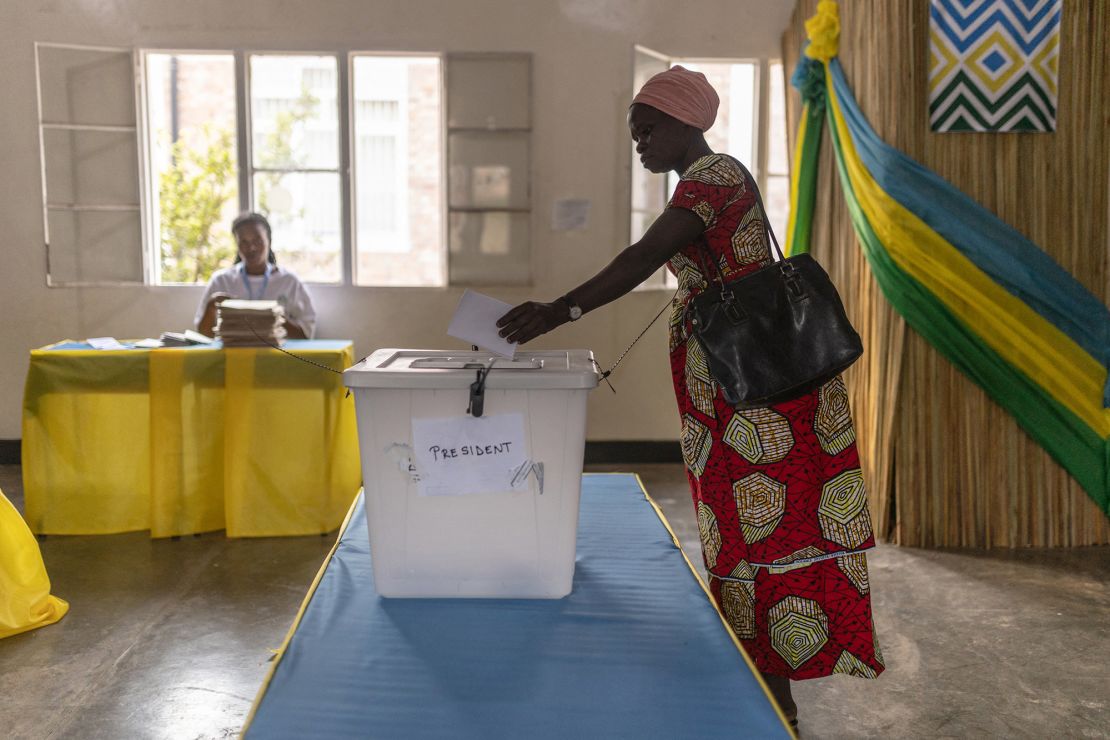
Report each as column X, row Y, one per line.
column 605, row 374
column 303, row 359
column 298, row 357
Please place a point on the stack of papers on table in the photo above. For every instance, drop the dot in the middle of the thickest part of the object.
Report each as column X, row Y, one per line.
column 250, row 323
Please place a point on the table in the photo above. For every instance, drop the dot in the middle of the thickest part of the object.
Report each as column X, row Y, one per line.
column 188, row 440
column 637, row 650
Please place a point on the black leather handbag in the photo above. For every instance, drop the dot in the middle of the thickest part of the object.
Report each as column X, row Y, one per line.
column 774, row 334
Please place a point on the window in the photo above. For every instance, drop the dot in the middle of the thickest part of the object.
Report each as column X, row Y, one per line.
column 145, row 165
column 90, row 165
column 398, row 156
column 193, row 164
column 294, row 137
column 489, row 134
column 749, row 126
column 649, row 190
column 776, row 183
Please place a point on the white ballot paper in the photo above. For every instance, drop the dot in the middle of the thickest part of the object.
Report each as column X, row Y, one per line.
column 464, row 455
column 475, row 322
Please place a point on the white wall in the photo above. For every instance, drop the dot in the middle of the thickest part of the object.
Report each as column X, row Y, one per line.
column 582, row 85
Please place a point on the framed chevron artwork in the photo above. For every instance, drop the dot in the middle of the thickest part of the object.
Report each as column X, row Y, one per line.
column 993, row 64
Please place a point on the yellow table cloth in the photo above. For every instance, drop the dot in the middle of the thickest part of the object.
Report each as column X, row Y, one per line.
column 188, row 440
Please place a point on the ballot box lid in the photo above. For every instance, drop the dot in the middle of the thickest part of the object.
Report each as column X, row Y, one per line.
column 438, row 368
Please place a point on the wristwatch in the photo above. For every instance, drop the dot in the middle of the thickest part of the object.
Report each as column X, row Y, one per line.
column 573, row 309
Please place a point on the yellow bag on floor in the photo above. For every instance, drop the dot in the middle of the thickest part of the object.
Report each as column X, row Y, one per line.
column 25, row 600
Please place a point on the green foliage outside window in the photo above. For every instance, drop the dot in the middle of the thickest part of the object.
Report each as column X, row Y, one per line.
column 194, row 191
column 192, row 195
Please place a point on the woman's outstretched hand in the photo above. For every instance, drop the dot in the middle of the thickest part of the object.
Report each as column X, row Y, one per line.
column 529, row 320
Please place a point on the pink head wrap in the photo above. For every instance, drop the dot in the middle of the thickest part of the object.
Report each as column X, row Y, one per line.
column 681, row 94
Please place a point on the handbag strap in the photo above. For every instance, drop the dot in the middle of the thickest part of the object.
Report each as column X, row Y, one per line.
column 769, row 233
column 762, row 210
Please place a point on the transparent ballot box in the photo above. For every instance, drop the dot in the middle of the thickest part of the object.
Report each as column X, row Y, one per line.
column 472, row 469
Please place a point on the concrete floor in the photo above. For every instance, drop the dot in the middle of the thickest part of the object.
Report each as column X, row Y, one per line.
column 171, row 639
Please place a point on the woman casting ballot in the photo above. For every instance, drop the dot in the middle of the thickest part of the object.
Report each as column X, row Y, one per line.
column 767, row 483
column 256, row 276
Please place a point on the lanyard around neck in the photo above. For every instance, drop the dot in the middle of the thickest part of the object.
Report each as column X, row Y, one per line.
column 247, row 284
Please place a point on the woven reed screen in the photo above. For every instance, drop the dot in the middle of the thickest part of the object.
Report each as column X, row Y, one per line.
column 946, row 466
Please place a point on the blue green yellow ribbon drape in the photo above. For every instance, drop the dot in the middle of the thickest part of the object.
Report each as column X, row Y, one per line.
column 991, row 301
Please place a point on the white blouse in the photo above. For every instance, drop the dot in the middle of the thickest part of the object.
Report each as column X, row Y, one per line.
column 279, row 285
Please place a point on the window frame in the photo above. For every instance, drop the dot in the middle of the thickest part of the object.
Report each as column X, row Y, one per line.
column 244, row 132
column 152, row 252
column 349, row 187
column 765, row 172
column 451, row 133
column 135, row 129
column 345, row 61
column 147, row 264
column 657, row 281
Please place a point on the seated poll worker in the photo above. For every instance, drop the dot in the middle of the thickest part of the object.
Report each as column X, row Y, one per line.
column 257, row 276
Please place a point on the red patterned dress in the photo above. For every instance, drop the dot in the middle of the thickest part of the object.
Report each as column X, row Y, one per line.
column 780, row 499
